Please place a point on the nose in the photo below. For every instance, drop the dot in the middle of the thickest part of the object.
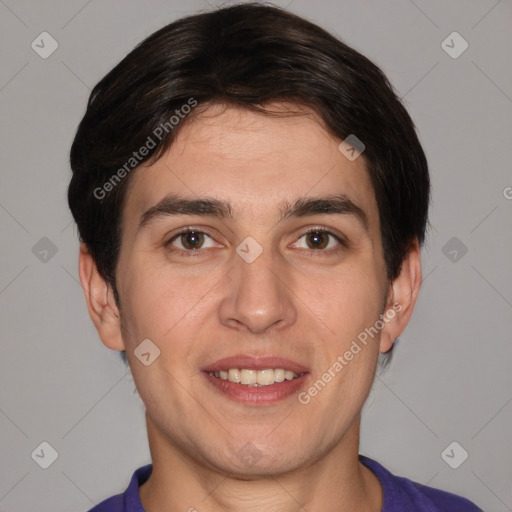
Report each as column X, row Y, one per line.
column 259, row 296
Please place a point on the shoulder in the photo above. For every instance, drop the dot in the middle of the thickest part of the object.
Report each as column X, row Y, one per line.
column 112, row 504
column 404, row 494
column 129, row 500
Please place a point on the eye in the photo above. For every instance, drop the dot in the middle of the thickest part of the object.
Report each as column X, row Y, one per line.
column 317, row 239
column 191, row 240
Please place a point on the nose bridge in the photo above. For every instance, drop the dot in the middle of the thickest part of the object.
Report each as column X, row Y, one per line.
column 257, row 298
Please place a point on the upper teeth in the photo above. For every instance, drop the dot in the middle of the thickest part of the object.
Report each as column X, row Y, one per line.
column 255, row 377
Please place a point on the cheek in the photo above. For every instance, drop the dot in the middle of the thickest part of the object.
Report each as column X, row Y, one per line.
column 158, row 300
column 350, row 305
column 348, row 300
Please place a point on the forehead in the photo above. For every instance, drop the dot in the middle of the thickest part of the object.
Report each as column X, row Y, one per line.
column 253, row 160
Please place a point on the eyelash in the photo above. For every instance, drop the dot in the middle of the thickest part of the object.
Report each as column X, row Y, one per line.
column 184, row 252
column 318, row 229
column 196, row 252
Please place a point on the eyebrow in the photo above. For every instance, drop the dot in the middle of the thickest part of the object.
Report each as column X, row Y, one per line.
column 177, row 205
column 337, row 204
column 211, row 207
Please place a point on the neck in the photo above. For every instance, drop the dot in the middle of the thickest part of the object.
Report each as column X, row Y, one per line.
column 337, row 481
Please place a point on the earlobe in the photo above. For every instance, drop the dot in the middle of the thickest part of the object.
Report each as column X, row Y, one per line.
column 100, row 300
column 403, row 294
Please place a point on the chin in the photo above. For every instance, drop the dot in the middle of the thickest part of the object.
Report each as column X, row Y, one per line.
column 247, row 458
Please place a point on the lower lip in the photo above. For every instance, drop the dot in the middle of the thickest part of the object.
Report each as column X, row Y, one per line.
column 261, row 395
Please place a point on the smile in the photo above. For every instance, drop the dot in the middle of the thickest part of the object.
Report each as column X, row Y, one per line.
column 255, row 378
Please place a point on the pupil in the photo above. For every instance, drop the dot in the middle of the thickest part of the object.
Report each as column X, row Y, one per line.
column 317, row 240
column 192, row 240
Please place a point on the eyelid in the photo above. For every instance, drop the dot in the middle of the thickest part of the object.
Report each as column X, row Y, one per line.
column 187, row 229
column 169, row 238
column 323, row 229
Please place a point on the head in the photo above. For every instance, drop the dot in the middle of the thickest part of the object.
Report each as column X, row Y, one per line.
column 219, row 215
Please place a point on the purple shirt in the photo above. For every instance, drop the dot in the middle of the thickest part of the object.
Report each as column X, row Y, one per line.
column 400, row 494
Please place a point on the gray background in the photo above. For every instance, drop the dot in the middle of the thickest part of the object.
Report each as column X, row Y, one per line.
column 450, row 379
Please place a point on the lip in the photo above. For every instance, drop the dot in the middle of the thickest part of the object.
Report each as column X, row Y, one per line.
column 256, row 395
column 255, row 363
column 252, row 395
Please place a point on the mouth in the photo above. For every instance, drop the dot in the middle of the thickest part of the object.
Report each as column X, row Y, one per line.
column 256, row 380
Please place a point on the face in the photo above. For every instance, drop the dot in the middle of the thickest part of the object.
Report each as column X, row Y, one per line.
column 251, row 250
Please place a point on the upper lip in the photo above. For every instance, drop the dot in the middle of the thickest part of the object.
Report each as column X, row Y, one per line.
column 248, row 362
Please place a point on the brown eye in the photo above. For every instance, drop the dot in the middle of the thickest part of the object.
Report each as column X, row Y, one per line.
column 192, row 240
column 317, row 240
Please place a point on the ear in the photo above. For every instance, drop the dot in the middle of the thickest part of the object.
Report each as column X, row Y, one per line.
column 100, row 300
column 402, row 295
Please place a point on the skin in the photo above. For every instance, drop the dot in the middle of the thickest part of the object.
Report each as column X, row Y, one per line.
column 295, row 301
